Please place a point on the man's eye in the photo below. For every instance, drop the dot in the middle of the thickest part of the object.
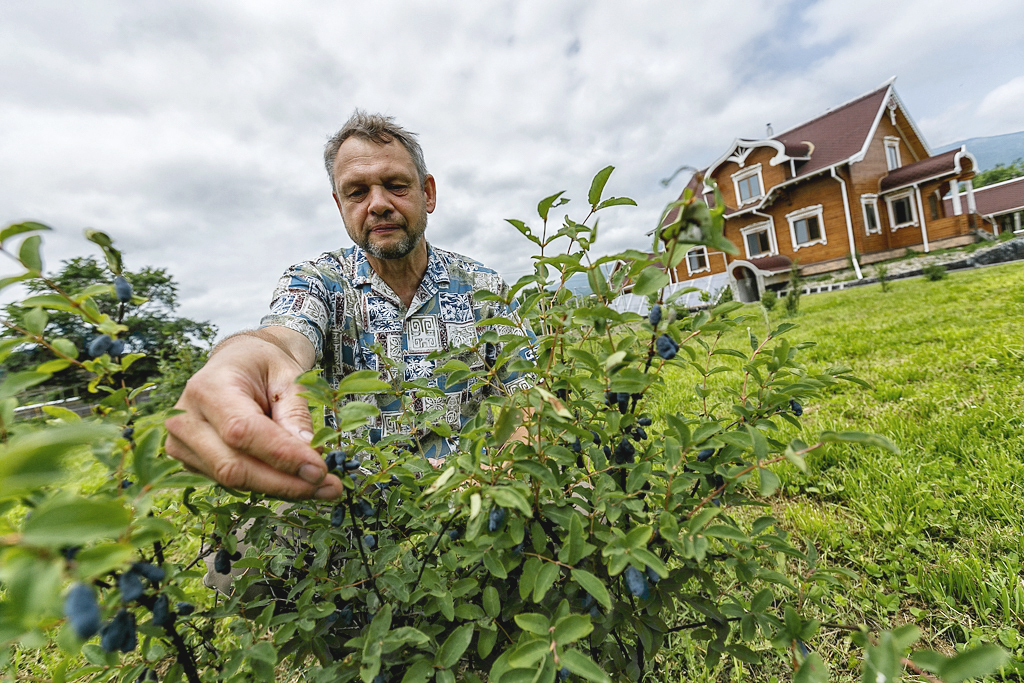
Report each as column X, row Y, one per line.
column 356, row 194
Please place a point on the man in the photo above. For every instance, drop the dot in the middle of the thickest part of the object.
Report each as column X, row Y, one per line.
column 244, row 424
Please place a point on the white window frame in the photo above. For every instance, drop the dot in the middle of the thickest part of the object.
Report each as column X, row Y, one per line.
column 871, row 200
column 707, row 261
column 909, row 195
column 767, row 226
column 892, row 142
column 743, row 174
column 808, row 212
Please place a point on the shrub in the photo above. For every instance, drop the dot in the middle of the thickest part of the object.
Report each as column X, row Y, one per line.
column 796, row 284
column 769, row 299
column 882, row 273
column 934, row 272
column 574, row 553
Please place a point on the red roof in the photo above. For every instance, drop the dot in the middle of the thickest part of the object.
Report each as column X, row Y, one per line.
column 931, row 167
column 993, row 200
column 837, row 134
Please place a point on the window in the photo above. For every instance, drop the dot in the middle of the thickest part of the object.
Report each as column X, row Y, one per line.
column 697, row 260
column 748, row 184
column 934, row 205
column 806, row 227
column 902, row 211
column 758, row 240
column 892, row 152
column 869, row 203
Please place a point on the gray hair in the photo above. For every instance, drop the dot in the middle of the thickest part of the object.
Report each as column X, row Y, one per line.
column 375, row 128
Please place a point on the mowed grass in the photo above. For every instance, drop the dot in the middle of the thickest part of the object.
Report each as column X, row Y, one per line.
column 935, row 533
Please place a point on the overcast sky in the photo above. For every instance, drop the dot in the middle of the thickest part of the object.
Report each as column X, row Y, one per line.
column 192, row 132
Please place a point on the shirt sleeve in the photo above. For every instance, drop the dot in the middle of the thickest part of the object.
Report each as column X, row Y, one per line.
column 301, row 303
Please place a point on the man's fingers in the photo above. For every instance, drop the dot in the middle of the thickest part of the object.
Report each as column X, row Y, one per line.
column 239, row 471
column 291, row 411
column 244, row 428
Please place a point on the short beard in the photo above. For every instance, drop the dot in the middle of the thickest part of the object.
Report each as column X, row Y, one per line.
column 404, row 247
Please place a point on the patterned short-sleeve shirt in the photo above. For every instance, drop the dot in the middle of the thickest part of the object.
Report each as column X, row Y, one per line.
column 348, row 312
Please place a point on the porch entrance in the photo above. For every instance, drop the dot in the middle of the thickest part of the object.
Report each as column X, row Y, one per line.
column 746, row 285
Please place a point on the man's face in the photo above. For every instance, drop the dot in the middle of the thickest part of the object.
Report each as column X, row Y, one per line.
column 382, row 203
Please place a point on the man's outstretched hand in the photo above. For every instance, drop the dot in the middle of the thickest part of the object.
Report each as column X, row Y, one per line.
column 244, row 424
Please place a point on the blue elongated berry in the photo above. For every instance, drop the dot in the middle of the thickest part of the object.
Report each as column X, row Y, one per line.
column 128, row 433
column 797, row 409
column 123, row 289
column 804, row 651
column 595, row 613
column 119, row 633
column 370, row 541
column 126, row 483
column 337, row 516
column 636, row 583
column 652, row 575
column 563, row 674
column 597, row 439
column 577, row 447
column 131, row 586
column 99, row 345
column 334, row 459
column 346, row 615
column 623, row 400
column 496, row 519
column 149, row 571
column 654, row 317
column 624, row 451
column 365, row 509
column 82, row 611
column 607, row 452
column 453, row 534
column 184, row 608
column 705, row 454
column 116, row 348
column 639, row 434
column 162, row 611
column 350, row 465
column 644, row 422
column 222, row 562
column 666, row 347
column 588, row 601
column 518, row 550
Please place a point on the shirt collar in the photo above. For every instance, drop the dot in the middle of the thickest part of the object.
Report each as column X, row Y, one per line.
column 436, row 273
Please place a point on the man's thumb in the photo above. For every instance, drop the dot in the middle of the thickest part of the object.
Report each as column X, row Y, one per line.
column 291, row 411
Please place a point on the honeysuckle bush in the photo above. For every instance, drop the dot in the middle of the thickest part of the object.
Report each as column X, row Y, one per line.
column 571, row 533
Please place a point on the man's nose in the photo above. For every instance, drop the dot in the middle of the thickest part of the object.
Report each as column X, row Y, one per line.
column 380, row 203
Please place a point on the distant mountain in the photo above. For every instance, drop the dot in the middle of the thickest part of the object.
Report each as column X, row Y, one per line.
column 993, row 150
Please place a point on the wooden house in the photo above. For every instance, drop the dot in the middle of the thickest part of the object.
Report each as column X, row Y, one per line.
column 853, row 186
column 1000, row 204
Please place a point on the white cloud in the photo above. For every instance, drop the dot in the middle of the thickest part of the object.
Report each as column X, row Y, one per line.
column 193, row 131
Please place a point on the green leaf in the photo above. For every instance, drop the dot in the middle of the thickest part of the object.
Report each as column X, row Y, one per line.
column 974, row 663
column 813, row 670
column 571, row 628
column 493, row 564
column 508, row 420
column 17, row 382
column 532, row 622
column 545, row 578
column 582, row 665
column 545, row 204
column 35, row 458
column 73, row 520
column 768, row 481
column 639, row 536
column 529, row 653
column 863, row 438
column 100, row 559
column 597, row 186
column 404, row 635
column 650, row 280
column 485, row 640
column 726, row 531
column 615, row 201
column 592, row 585
column 355, row 414
column 20, row 228
column 492, row 602
column 450, row 652
column 509, row 497
column 28, row 254
column 363, row 382
column 419, row 672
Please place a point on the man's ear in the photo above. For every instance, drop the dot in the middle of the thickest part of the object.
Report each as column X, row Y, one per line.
column 338, row 202
column 429, row 189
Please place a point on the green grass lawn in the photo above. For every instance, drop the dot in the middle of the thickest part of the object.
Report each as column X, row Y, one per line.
column 934, row 533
